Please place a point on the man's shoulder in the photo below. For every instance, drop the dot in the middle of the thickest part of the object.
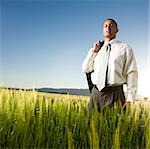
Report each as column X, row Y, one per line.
column 123, row 44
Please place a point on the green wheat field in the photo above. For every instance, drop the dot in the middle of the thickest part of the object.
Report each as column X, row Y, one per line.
column 29, row 119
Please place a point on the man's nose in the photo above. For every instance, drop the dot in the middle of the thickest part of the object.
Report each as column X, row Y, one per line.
column 109, row 27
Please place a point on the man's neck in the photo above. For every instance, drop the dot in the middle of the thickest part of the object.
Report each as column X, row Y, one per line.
column 109, row 39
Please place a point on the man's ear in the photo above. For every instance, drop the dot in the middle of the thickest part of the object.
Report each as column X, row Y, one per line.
column 117, row 30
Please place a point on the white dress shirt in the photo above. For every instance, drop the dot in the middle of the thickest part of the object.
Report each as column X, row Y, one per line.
column 122, row 68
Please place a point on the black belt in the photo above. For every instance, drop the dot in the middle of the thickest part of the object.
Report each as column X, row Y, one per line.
column 110, row 88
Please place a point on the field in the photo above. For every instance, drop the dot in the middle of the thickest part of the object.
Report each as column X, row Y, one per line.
column 37, row 120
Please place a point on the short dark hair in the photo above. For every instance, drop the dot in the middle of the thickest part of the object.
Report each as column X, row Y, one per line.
column 112, row 21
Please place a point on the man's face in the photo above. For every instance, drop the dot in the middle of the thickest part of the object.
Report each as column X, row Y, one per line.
column 109, row 29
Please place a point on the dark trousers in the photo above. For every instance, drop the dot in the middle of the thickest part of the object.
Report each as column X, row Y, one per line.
column 106, row 98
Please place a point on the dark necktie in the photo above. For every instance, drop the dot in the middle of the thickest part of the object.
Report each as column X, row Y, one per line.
column 108, row 51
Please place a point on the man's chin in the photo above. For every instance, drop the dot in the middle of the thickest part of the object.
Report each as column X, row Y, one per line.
column 108, row 36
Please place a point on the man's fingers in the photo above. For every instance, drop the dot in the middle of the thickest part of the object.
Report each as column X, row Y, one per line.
column 126, row 104
column 96, row 46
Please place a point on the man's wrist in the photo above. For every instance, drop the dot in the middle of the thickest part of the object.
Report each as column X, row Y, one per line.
column 130, row 97
column 129, row 100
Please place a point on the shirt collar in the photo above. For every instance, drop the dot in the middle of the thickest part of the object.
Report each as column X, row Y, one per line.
column 110, row 42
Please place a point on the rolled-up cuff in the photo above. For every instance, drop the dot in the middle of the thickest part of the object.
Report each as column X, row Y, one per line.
column 130, row 97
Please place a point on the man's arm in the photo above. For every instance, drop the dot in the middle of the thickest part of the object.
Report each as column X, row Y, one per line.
column 87, row 65
column 131, row 74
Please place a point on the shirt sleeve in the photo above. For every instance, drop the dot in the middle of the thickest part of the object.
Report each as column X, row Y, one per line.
column 131, row 74
column 87, row 65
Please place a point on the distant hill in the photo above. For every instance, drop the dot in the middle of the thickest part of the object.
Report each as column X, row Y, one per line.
column 84, row 92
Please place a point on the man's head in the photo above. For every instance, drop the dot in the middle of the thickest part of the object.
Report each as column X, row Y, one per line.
column 110, row 29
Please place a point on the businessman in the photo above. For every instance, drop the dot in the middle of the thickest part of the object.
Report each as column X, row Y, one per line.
column 112, row 65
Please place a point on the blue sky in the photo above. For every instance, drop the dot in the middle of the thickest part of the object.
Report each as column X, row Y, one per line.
column 43, row 43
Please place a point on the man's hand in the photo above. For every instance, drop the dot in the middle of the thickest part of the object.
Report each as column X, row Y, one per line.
column 126, row 104
column 96, row 46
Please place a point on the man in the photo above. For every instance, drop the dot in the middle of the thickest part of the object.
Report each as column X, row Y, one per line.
column 112, row 65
